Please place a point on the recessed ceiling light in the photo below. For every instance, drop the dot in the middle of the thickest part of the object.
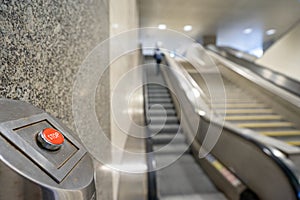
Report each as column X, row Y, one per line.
column 247, row 30
column 187, row 28
column 162, row 26
column 271, row 32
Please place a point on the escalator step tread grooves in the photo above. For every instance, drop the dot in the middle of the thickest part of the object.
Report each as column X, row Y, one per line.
column 178, row 180
column 254, row 114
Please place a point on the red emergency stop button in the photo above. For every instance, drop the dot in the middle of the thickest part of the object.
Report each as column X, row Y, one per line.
column 50, row 138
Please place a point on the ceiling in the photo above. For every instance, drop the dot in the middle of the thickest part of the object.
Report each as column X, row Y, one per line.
column 217, row 17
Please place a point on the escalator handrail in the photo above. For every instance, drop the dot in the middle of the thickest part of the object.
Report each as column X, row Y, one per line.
column 200, row 103
column 284, row 166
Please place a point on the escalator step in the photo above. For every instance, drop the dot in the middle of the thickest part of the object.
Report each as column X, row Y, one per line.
column 156, row 85
column 281, row 133
column 161, row 120
column 253, row 117
column 165, row 105
column 223, row 95
column 249, row 111
column 230, row 101
column 266, row 125
column 161, row 112
column 160, row 92
column 160, row 100
column 160, row 107
column 159, row 95
column 157, row 90
column 240, row 105
column 167, row 138
column 166, row 128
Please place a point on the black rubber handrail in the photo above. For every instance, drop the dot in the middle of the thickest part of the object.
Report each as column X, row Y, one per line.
column 291, row 85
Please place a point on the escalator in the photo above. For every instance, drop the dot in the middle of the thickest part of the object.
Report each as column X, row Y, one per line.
column 184, row 178
column 255, row 141
column 246, row 110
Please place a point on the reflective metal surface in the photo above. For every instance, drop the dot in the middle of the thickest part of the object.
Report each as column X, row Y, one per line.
column 37, row 173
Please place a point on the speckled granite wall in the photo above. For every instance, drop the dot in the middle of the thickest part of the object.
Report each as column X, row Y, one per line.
column 42, row 44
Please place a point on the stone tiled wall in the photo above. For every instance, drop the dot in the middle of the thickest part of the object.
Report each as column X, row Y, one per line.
column 42, row 44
